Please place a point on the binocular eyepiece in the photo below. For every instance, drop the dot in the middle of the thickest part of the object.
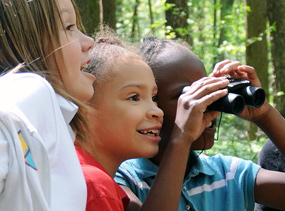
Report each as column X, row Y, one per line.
column 240, row 93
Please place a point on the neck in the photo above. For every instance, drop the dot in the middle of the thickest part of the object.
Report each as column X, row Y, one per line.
column 162, row 146
column 108, row 161
column 157, row 159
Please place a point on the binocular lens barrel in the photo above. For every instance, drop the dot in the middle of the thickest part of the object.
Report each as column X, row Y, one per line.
column 231, row 103
column 240, row 93
column 253, row 96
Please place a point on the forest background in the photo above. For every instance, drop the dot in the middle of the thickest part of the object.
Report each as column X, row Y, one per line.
column 251, row 31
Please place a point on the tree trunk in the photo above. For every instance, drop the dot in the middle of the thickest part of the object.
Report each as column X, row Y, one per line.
column 276, row 15
column 201, row 26
column 225, row 10
column 135, row 21
column 90, row 13
column 151, row 17
column 256, row 52
column 109, row 13
column 176, row 17
column 215, row 55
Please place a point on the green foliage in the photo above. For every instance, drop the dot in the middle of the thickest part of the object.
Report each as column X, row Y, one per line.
column 232, row 139
column 125, row 19
column 201, row 27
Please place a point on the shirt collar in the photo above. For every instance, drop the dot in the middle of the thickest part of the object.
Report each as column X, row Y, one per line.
column 86, row 159
column 145, row 168
column 200, row 165
column 67, row 108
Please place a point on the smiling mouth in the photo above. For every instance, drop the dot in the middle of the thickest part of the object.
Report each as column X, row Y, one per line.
column 85, row 66
column 211, row 125
column 149, row 132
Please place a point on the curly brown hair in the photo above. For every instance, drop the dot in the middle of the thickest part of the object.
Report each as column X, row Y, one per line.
column 108, row 52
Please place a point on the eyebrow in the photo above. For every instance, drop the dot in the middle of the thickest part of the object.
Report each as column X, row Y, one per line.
column 140, row 86
column 63, row 10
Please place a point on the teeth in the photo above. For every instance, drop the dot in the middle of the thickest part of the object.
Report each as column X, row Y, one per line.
column 150, row 132
column 85, row 66
column 209, row 124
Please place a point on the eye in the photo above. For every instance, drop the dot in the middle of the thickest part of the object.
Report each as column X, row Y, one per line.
column 176, row 96
column 70, row 27
column 134, row 98
column 155, row 98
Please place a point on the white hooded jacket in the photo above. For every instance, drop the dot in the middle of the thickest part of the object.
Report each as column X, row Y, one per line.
column 24, row 166
column 39, row 168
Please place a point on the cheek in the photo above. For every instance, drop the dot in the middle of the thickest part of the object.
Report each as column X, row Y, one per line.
column 66, row 60
column 104, row 125
column 203, row 143
column 169, row 110
column 72, row 55
column 111, row 115
column 128, row 119
column 69, row 68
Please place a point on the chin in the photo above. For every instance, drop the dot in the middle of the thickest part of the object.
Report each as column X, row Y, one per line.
column 151, row 153
column 209, row 145
column 203, row 143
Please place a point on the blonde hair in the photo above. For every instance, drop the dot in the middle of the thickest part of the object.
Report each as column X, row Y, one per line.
column 28, row 34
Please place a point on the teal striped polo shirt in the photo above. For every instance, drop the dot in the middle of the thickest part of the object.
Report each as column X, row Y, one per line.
column 214, row 183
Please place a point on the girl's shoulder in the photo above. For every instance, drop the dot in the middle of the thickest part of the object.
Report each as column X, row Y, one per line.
column 23, row 82
column 28, row 89
column 32, row 95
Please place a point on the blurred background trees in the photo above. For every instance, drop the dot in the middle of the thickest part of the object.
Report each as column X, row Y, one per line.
column 251, row 31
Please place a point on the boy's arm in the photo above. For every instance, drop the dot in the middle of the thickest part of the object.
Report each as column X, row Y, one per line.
column 166, row 189
column 270, row 185
column 270, row 188
column 272, row 124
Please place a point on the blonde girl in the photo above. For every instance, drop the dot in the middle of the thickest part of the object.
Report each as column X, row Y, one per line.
column 42, row 91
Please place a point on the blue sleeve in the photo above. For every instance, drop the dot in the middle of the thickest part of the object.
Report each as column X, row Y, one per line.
column 245, row 176
column 123, row 177
column 129, row 177
column 241, row 175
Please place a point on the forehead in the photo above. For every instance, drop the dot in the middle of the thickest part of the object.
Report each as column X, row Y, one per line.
column 178, row 65
column 65, row 6
column 133, row 67
column 130, row 70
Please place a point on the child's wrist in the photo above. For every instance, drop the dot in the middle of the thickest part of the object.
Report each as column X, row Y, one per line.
column 182, row 142
column 265, row 116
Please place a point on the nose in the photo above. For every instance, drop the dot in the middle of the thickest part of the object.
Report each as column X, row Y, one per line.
column 86, row 43
column 155, row 112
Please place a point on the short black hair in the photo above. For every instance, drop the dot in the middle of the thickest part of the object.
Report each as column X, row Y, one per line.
column 153, row 46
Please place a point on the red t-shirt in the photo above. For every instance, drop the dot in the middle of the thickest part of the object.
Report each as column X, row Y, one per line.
column 103, row 193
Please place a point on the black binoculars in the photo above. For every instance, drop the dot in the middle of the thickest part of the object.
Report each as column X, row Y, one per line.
column 240, row 93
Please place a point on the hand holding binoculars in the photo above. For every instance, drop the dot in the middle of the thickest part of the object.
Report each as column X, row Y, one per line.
column 240, row 93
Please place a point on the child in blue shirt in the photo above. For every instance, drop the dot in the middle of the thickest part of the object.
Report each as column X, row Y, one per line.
column 209, row 183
